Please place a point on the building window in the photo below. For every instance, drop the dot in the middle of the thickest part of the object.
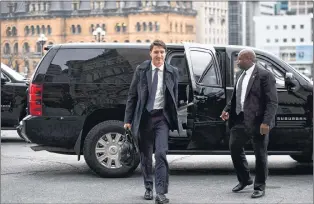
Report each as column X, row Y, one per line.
column 104, row 27
column 176, row 28
column 79, row 29
column 14, row 31
column 150, row 26
column 284, row 27
column 16, row 49
column 38, row 30
column 43, row 29
column 26, row 48
column 144, row 26
column 276, row 27
column 7, row 49
column 8, row 31
column 147, row 41
column 302, row 26
column 157, row 26
column 302, row 11
column 73, row 30
column 268, row 40
column 33, row 30
column 301, row 39
column 267, row 27
column 170, row 27
column 48, row 29
column 92, row 28
column 293, row 40
column 276, row 40
column 284, row 40
column 126, row 41
column 124, row 27
column 138, row 27
column 138, row 41
column 26, row 30
column 38, row 47
column 118, row 27
column 293, row 26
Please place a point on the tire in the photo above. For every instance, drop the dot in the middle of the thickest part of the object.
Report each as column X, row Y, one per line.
column 302, row 158
column 109, row 151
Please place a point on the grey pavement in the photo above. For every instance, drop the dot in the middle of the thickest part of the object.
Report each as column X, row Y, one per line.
column 43, row 177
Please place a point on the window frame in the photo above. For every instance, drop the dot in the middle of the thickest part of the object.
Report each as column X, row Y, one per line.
column 214, row 62
column 259, row 56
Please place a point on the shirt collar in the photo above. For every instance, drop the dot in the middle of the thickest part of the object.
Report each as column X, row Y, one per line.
column 250, row 70
column 161, row 68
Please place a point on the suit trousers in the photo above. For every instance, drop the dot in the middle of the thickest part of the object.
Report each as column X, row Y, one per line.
column 154, row 131
column 239, row 136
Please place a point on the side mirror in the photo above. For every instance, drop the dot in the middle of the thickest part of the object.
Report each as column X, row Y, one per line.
column 290, row 82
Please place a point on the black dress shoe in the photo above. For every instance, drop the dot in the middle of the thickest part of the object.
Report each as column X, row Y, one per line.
column 241, row 186
column 161, row 199
column 148, row 195
column 258, row 193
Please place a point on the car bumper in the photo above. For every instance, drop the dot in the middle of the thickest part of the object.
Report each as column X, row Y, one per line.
column 51, row 131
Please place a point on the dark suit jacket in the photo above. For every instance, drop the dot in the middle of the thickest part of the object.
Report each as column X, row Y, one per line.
column 261, row 101
column 139, row 92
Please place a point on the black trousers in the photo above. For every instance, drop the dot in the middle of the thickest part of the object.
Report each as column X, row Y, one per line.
column 154, row 131
column 239, row 136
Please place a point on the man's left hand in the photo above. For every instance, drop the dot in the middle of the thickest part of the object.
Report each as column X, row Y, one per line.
column 264, row 129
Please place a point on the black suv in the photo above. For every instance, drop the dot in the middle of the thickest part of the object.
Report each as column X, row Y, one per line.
column 78, row 95
column 13, row 98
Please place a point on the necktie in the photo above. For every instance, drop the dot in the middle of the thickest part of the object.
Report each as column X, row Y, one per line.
column 239, row 93
column 152, row 95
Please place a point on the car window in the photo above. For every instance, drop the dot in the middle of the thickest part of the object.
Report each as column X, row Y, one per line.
column 200, row 61
column 210, row 77
column 279, row 76
column 95, row 65
column 179, row 61
column 12, row 73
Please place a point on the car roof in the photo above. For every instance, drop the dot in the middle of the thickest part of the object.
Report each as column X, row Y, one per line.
column 115, row 45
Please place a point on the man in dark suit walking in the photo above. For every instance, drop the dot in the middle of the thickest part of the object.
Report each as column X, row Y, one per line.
column 151, row 110
column 252, row 111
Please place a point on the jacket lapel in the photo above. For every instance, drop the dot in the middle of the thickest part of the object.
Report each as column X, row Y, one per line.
column 149, row 78
column 253, row 76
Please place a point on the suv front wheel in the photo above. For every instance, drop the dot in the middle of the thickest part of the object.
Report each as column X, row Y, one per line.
column 102, row 150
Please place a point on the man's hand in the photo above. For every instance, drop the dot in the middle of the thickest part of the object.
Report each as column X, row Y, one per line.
column 127, row 126
column 264, row 129
column 224, row 115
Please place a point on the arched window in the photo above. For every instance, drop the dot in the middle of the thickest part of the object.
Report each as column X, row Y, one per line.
column 157, row 26
column 43, row 29
column 7, row 49
column 33, row 30
column 147, row 41
column 16, row 49
column 150, row 26
column 126, row 41
column 26, row 47
column 118, row 27
column 144, row 26
column 73, row 30
column 124, row 28
column 38, row 47
column 38, row 29
column 79, row 29
column 26, row 30
column 48, row 29
column 138, row 41
column 14, row 31
column 104, row 27
column 138, row 27
column 92, row 28
column 8, row 31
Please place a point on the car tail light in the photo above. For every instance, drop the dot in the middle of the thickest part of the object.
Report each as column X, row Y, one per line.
column 35, row 99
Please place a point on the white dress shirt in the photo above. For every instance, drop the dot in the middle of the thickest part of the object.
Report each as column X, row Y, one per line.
column 159, row 98
column 245, row 83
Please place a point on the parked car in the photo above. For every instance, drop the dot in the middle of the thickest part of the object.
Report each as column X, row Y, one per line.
column 13, row 98
column 78, row 95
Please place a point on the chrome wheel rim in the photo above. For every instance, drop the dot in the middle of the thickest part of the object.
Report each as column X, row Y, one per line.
column 108, row 150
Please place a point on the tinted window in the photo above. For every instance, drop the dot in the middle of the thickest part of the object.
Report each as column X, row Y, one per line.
column 179, row 62
column 210, row 78
column 200, row 61
column 279, row 76
column 95, row 65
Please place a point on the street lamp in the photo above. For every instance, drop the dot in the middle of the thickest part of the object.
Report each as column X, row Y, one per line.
column 42, row 40
column 99, row 32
